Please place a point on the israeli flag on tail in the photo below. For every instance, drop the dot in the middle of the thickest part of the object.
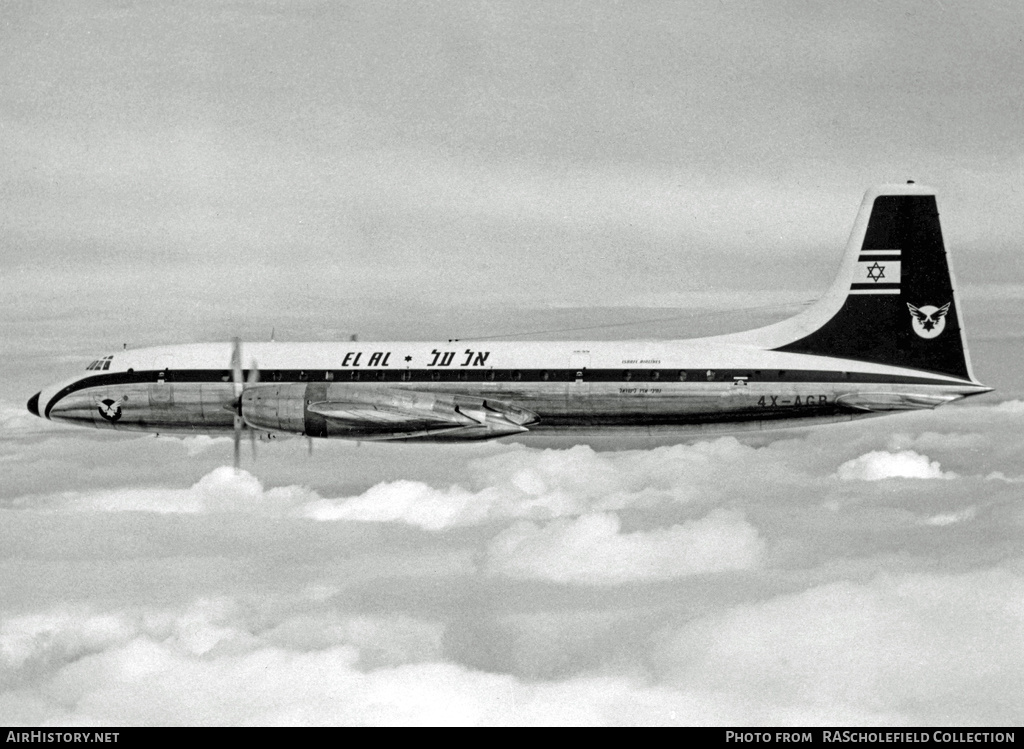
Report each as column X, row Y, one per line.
column 878, row 272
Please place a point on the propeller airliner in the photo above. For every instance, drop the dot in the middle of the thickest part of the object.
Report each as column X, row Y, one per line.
column 888, row 336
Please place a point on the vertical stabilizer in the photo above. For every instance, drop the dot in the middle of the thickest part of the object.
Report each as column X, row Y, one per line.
column 894, row 301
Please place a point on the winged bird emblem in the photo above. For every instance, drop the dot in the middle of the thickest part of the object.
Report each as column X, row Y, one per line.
column 110, row 409
column 928, row 321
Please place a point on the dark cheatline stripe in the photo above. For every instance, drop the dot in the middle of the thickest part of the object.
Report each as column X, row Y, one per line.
column 879, row 258
column 457, row 375
column 862, row 286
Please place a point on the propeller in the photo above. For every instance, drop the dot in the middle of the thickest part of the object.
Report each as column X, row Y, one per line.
column 240, row 383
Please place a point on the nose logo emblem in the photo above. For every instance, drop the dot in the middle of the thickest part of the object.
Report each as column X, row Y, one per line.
column 110, row 409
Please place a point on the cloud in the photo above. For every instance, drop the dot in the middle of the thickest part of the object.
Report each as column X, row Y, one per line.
column 896, row 649
column 949, row 518
column 205, row 666
column 542, row 484
column 14, row 419
column 18, row 425
column 933, row 648
column 409, row 501
column 1000, row 476
column 516, row 482
column 591, row 550
column 878, row 465
column 1009, row 407
column 200, row 443
column 222, row 490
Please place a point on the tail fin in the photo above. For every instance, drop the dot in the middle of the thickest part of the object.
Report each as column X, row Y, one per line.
column 894, row 301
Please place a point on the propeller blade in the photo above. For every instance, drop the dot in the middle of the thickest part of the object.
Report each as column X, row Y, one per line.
column 239, row 386
column 237, row 442
column 240, row 382
column 236, row 365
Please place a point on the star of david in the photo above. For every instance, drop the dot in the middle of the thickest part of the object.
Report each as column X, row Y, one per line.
column 876, row 272
column 408, row 358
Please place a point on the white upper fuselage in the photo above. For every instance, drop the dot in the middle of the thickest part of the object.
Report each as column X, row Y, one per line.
column 703, row 353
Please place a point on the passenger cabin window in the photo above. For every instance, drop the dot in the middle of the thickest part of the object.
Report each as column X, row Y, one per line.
column 682, row 375
column 627, row 375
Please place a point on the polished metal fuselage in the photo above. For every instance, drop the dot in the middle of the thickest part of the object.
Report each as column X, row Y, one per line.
column 572, row 388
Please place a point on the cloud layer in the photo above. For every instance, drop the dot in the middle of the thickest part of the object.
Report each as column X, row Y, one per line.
column 867, row 575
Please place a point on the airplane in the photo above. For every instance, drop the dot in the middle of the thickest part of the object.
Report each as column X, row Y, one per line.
column 888, row 336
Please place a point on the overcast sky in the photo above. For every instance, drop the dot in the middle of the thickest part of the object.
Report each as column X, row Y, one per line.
column 198, row 170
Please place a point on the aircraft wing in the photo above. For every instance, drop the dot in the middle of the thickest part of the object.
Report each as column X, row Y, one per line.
column 407, row 415
column 388, row 414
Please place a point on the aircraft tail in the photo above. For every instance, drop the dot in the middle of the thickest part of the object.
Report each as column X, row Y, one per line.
column 894, row 301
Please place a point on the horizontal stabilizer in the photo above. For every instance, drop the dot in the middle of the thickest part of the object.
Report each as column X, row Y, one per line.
column 893, row 401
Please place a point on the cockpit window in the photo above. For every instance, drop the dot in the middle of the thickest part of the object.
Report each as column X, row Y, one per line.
column 103, row 363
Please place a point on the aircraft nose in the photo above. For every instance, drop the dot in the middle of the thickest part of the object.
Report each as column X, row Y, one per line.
column 33, row 404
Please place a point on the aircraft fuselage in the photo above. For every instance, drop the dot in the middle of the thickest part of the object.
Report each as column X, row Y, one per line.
column 550, row 388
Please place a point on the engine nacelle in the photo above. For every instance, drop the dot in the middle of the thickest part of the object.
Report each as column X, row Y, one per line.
column 275, row 408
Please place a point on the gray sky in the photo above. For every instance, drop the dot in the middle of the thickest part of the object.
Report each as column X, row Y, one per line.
column 407, row 170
